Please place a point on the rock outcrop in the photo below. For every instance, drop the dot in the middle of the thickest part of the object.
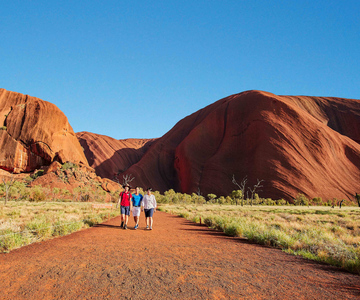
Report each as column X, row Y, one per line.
column 110, row 157
column 34, row 133
column 295, row 144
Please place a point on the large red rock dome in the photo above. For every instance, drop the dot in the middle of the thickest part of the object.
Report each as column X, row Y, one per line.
column 33, row 133
column 296, row 144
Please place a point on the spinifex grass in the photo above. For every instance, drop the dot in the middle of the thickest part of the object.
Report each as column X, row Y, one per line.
column 22, row 223
column 330, row 235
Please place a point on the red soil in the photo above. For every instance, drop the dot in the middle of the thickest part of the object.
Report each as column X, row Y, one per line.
column 178, row 259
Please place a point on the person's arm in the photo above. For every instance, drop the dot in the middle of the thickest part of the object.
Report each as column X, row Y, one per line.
column 117, row 204
column 131, row 201
column 154, row 204
column 142, row 203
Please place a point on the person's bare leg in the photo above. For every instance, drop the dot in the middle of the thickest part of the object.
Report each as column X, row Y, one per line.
column 151, row 222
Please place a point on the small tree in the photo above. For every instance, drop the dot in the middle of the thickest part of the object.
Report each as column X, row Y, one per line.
column 55, row 192
column 211, row 197
column 357, row 198
column 255, row 188
column 301, row 200
column 127, row 179
column 241, row 185
column 222, row 200
column 237, row 195
column 7, row 186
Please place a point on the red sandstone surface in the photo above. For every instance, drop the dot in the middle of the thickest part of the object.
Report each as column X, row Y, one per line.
column 34, row 133
column 110, row 157
column 296, row 144
column 177, row 260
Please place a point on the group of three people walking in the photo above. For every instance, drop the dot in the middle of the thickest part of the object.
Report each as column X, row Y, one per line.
column 136, row 203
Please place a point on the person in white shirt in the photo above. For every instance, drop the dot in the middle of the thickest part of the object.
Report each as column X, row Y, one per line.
column 149, row 206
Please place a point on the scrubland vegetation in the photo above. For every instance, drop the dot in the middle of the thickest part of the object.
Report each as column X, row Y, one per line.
column 24, row 222
column 35, row 213
column 324, row 234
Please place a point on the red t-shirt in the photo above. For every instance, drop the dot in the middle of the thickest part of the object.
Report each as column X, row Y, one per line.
column 125, row 198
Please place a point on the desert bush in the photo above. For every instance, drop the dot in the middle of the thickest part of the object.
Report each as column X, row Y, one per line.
column 40, row 227
column 323, row 234
column 11, row 240
column 301, row 200
column 37, row 194
column 37, row 174
column 69, row 165
column 282, row 202
column 237, row 196
column 212, row 198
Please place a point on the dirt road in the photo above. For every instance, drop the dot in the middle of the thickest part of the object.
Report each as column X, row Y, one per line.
column 176, row 260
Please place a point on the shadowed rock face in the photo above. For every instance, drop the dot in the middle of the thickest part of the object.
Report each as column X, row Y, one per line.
column 110, row 157
column 296, row 145
column 34, row 133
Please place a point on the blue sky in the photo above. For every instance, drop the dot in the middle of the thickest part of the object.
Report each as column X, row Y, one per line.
column 133, row 69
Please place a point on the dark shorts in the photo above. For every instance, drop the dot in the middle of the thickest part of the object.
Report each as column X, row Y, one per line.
column 149, row 212
column 125, row 210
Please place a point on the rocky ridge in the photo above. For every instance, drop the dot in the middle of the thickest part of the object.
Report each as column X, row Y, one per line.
column 296, row 144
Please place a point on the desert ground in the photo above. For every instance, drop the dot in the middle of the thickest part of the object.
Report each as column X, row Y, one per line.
column 177, row 260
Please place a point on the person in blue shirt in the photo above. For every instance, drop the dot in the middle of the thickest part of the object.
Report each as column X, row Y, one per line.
column 136, row 204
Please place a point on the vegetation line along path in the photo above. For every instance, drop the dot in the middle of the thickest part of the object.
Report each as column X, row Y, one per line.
column 319, row 233
column 178, row 259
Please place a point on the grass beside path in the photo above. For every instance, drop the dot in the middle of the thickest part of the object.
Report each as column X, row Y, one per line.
column 324, row 234
column 23, row 222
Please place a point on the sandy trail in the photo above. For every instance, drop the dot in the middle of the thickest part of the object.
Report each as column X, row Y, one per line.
column 177, row 260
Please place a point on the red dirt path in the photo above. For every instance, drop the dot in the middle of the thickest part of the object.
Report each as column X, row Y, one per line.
column 178, row 259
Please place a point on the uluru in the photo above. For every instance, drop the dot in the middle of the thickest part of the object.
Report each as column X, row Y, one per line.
column 295, row 144
column 34, row 133
column 110, row 157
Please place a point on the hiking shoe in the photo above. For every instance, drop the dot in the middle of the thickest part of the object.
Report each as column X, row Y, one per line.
column 147, row 226
column 150, row 228
column 125, row 226
column 122, row 225
column 136, row 226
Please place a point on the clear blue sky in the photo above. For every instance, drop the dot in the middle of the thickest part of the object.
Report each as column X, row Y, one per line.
column 135, row 68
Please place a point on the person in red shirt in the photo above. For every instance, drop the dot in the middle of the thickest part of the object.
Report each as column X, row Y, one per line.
column 125, row 205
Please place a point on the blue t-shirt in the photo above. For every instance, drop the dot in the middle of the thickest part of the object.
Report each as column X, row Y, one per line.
column 136, row 199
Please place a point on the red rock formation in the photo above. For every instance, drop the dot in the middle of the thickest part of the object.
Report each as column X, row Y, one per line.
column 296, row 145
column 33, row 133
column 110, row 157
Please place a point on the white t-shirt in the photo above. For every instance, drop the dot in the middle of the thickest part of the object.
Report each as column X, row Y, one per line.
column 149, row 201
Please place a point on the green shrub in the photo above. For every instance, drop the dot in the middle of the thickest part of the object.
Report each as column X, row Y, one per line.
column 37, row 194
column 37, row 174
column 69, row 165
column 40, row 227
column 11, row 240
column 301, row 200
